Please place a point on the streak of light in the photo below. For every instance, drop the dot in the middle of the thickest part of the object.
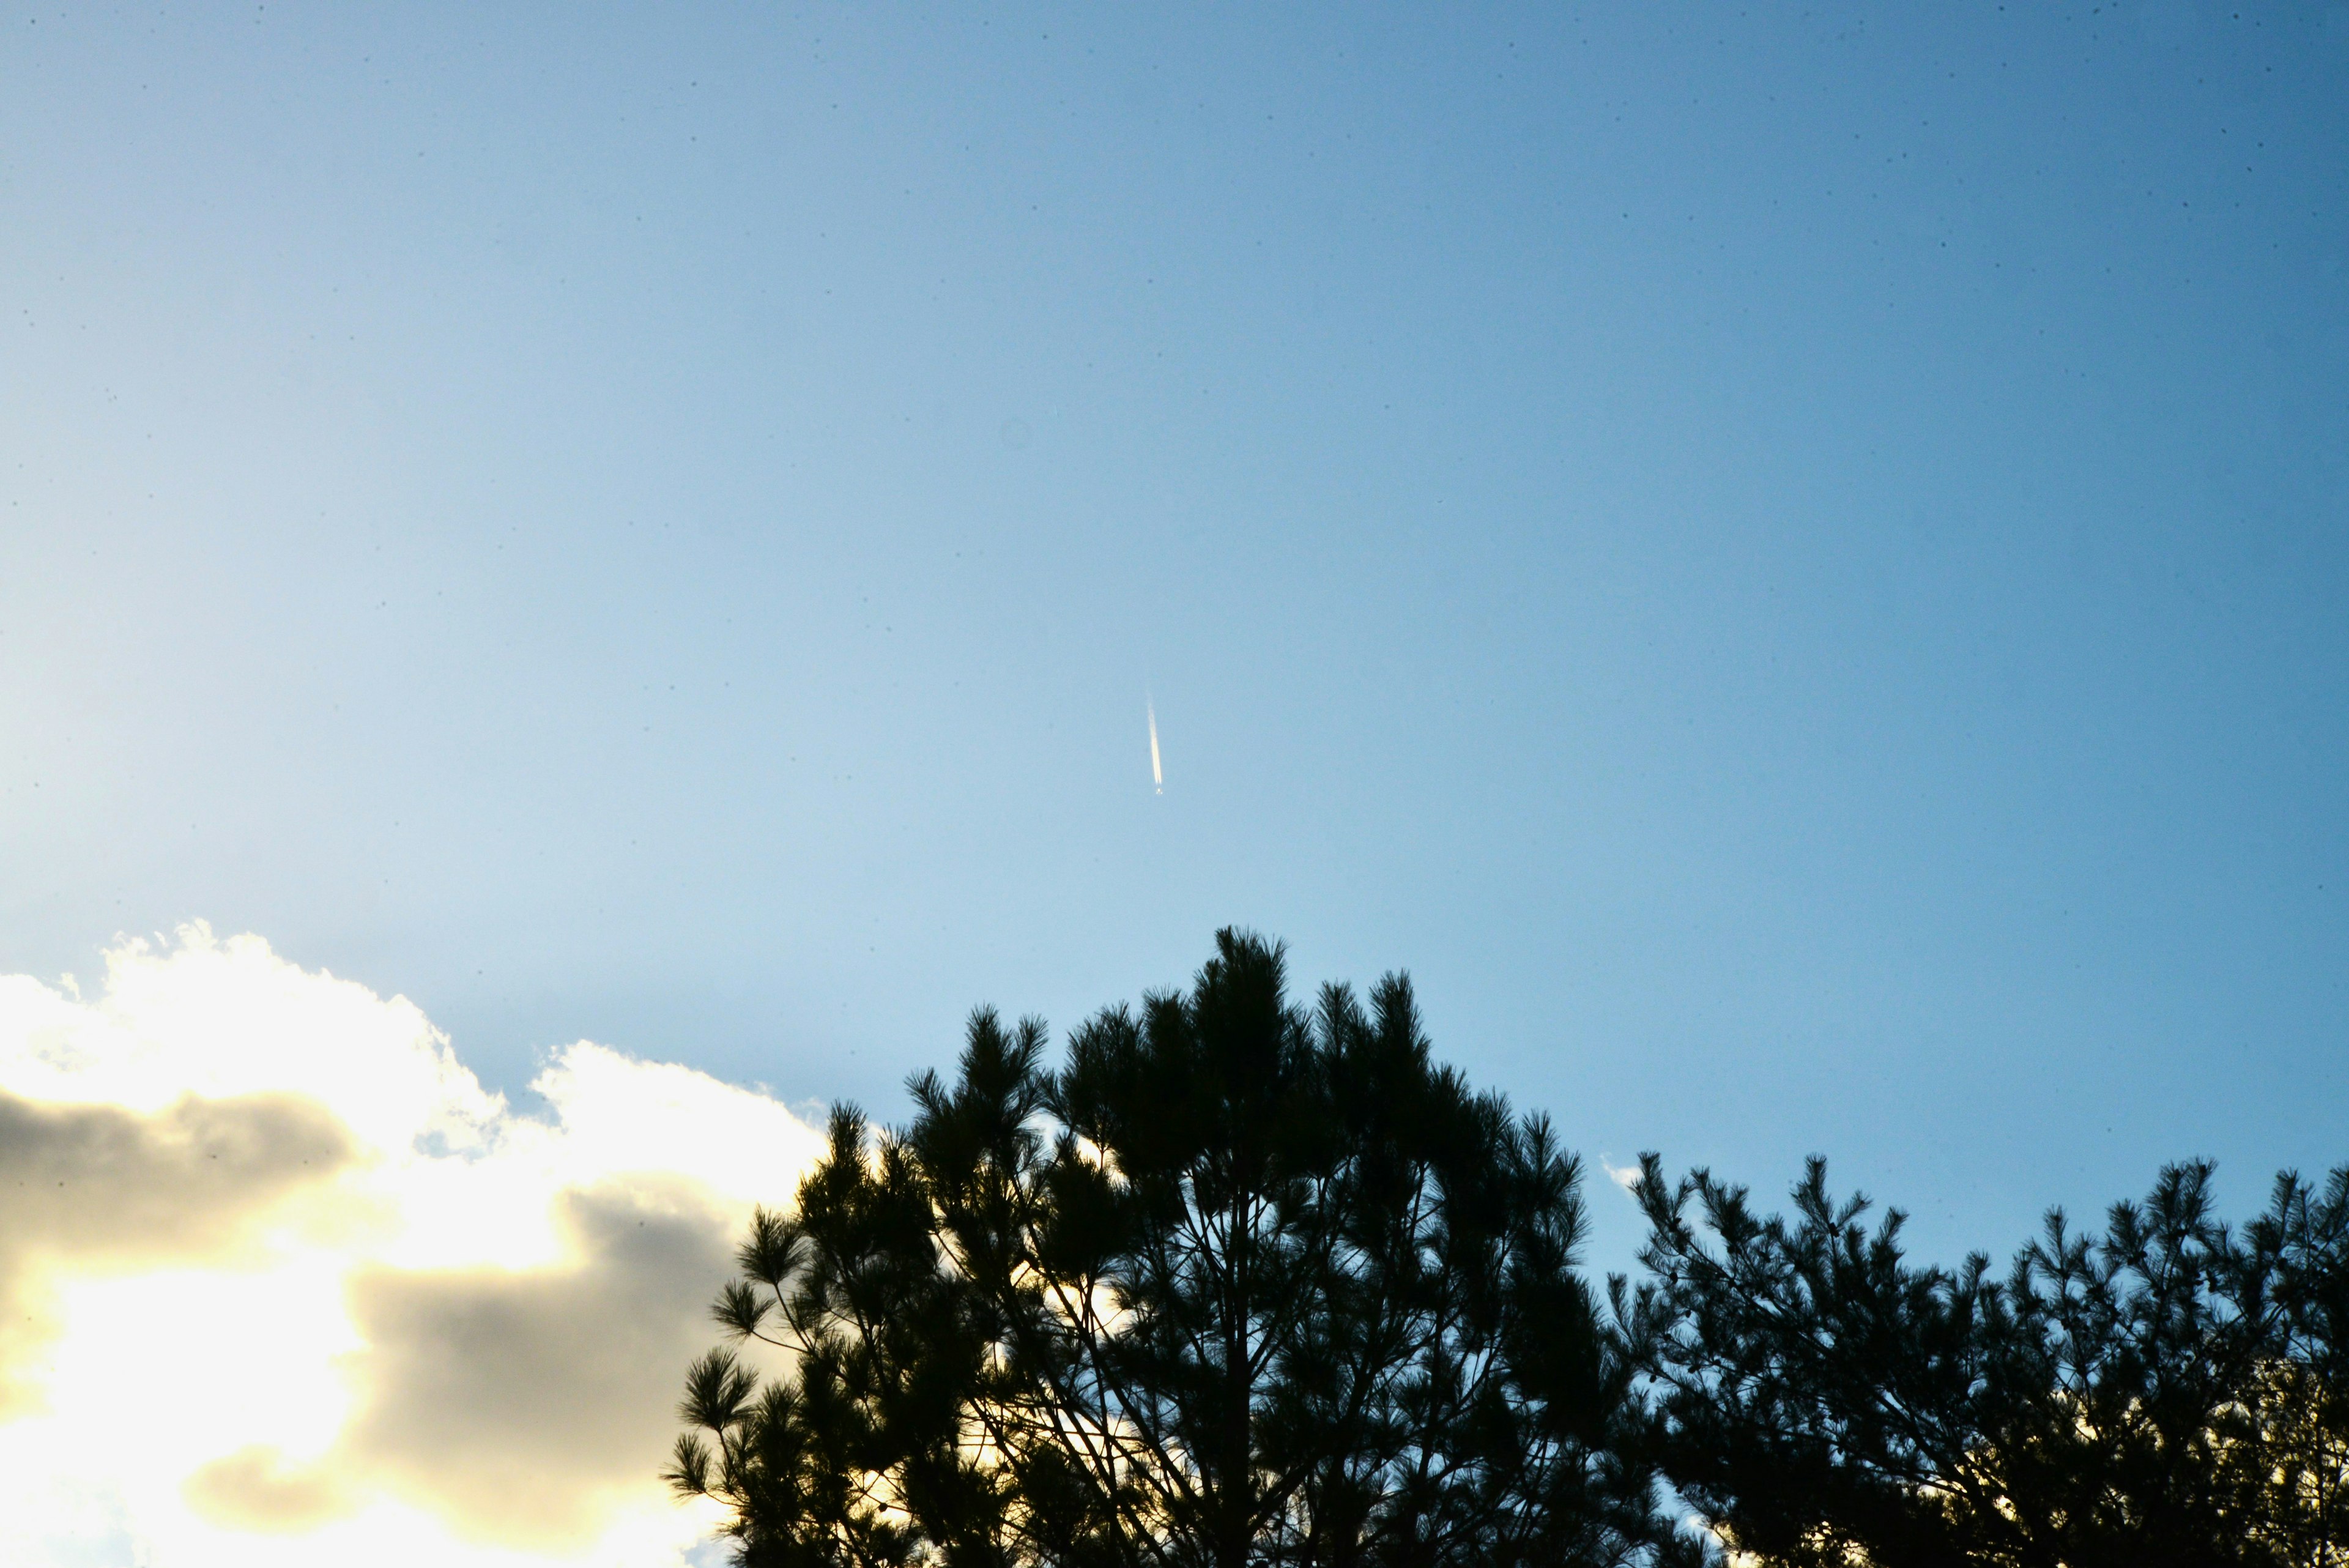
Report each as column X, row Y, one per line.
column 1157, row 774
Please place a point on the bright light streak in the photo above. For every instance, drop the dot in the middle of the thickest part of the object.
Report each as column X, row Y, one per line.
column 1157, row 774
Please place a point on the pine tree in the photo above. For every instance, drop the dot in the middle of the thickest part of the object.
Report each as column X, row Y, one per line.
column 2167, row 1392
column 1237, row 1283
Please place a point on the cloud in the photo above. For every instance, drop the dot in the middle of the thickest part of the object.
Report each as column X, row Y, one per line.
column 96, row 1188
column 254, row 1488
column 280, row 1283
column 514, row 1404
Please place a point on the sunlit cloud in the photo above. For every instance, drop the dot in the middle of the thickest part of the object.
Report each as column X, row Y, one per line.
column 1626, row 1176
column 280, row 1283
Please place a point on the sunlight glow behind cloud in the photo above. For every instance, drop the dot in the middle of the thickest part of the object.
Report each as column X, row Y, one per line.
column 280, row 1283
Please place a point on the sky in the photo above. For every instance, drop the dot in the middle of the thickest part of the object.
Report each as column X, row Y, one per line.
column 577, row 584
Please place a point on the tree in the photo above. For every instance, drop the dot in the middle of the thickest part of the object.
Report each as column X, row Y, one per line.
column 1237, row 1283
column 2168, row 1392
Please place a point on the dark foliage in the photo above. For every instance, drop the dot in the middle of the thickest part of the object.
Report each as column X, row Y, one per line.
column 2169, row 1392
column 1236, row 1284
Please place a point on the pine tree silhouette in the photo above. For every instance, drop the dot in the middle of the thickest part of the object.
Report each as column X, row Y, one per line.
column 1238, row 1283
column 2167, row 1392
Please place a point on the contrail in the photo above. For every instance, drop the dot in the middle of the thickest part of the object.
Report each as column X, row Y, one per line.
column 1157, row 774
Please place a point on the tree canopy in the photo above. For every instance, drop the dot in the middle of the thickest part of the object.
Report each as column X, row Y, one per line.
column 2168, row 1391
column 1235, row 1283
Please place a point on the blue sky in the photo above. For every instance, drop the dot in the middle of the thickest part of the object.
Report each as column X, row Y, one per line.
column 1789, row 566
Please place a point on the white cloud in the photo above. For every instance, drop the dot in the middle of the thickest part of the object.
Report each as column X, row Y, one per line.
column 1626, row 1176
column 282, row 1283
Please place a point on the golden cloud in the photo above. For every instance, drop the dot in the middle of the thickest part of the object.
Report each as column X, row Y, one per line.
column 515, row 1403
column 281, row 1283
column 90, row 1187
